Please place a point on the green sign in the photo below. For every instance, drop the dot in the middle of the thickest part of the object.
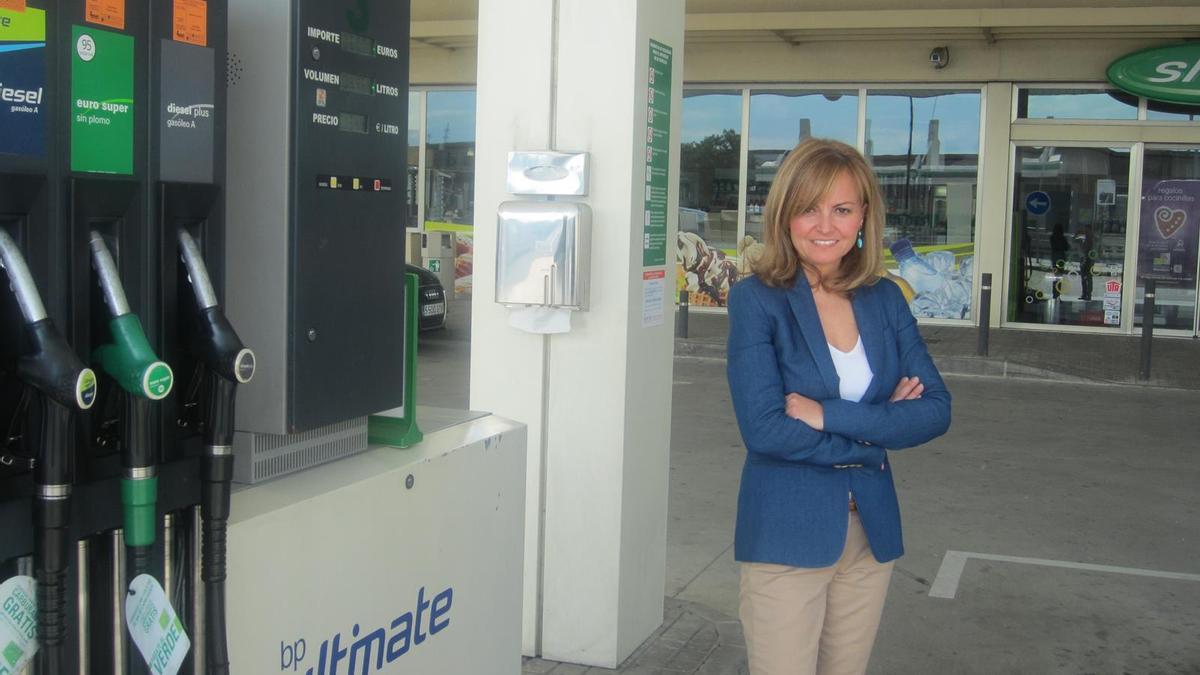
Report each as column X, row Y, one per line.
column 101, row 101
column 1170, row 74
column 658, row 154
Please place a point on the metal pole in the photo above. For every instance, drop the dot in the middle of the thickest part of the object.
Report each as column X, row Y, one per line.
column 985, row 314
column 1147, row 329
column 681, row 317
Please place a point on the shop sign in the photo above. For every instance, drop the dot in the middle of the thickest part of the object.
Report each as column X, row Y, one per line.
column 1170, row 74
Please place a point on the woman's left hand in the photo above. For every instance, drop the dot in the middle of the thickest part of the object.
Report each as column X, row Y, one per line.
column 806, row 410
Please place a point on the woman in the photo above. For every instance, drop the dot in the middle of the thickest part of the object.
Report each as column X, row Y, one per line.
column 826, row 369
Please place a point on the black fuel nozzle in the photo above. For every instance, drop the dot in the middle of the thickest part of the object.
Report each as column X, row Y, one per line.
column 227, row 360
column 51, row 366
column 65, row 385
column 228, row 363
column 54, row 369
column 218, row 344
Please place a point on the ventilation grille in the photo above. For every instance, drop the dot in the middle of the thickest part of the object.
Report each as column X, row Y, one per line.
column 260, row 457
column 233, row 69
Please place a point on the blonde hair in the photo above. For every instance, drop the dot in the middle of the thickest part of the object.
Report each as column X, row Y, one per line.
column 805, row 177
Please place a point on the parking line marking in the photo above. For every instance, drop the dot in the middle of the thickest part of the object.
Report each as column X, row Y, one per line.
column 945, row 584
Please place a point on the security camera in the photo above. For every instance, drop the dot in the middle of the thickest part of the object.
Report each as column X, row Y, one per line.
column 940, row 57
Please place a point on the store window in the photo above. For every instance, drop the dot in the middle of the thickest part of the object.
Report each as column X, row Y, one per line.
column 450, row 174
column 1075, row 104
column 706, row 254
column 924, row 147
column 1168, row 235
column 781, row 119
column 1068, row 235
column 1171, row 112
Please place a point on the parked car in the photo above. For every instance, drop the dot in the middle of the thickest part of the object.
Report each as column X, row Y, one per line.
column 431, row 297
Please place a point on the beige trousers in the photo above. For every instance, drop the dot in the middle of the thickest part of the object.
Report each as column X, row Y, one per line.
column 800, row 621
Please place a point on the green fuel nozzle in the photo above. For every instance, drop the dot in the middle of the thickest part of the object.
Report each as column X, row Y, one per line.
column 131, row 362
column 128, row 359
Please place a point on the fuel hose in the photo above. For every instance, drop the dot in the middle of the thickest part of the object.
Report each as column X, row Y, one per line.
column 227, row 364
column 64, row 386
column 131, row 363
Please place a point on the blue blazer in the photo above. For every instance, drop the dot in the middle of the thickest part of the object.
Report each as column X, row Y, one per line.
column 793, row 501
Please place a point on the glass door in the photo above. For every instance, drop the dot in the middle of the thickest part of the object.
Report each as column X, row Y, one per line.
column 1169, row 235
column 1067, row 252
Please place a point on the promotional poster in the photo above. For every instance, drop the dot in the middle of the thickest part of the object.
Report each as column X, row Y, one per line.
column 1170, row 213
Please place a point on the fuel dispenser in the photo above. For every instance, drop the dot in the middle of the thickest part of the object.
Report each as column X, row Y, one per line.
column 315, row 239
column 111, row 143
column 63, row 386
column 227, row 364
column 44, row 386
column 187, row 212
column 103, row 75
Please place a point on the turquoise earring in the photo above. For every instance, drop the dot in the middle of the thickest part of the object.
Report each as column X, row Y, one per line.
column 860, row 241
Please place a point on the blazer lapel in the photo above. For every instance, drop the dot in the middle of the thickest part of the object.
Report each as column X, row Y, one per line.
column 804, row 310
column 871, row 332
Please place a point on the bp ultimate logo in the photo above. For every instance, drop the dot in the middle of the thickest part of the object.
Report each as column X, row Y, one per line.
column 369, row 647
column 23, row 82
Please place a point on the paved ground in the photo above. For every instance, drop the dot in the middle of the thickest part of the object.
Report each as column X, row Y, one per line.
column 1068, row 502
column 1062, row 357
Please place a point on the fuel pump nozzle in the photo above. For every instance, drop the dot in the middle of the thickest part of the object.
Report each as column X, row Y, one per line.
column 130, row 361
column 228, row 364
column 51, row 367
column 64, row 386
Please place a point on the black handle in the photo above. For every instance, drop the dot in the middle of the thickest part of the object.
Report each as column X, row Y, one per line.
column 54, row 369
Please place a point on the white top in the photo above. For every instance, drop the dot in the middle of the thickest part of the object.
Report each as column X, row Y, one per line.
column 853, row 371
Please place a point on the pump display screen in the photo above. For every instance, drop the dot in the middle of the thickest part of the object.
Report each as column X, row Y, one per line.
column 358, row 44
column 352, row 122
column 355, row 84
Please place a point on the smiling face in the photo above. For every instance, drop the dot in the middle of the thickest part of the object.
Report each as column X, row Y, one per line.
column 826, row 231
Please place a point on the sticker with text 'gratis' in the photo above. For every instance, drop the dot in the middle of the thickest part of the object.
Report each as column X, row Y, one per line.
column 154, row 626
column 18, row 624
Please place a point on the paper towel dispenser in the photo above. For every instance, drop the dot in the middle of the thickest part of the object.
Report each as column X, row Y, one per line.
column 542, row 254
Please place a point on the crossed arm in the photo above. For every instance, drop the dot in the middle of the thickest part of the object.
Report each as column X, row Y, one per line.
column 917, row 411
column 791, row 427
column 758, row 396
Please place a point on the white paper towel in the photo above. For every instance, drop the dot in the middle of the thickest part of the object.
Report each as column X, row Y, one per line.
column 540, row 319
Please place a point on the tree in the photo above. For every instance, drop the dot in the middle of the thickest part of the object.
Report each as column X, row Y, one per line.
column 707, row 165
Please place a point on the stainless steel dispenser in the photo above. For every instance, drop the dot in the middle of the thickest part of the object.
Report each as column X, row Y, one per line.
column 543, row 247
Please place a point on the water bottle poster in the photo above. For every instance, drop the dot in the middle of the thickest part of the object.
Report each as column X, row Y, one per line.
column 936, row 280
column 1170, row 221
column 706, row 271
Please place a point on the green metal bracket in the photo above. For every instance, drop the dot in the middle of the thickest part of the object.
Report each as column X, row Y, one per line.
column 402, row 431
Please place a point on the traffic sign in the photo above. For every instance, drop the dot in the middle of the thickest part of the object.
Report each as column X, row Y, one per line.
column 1037, row 202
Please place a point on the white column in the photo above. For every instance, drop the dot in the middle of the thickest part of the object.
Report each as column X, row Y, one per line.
column 991, row 231
column 572, row 75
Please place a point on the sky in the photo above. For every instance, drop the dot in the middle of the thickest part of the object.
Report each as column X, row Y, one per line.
column 775, row 118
